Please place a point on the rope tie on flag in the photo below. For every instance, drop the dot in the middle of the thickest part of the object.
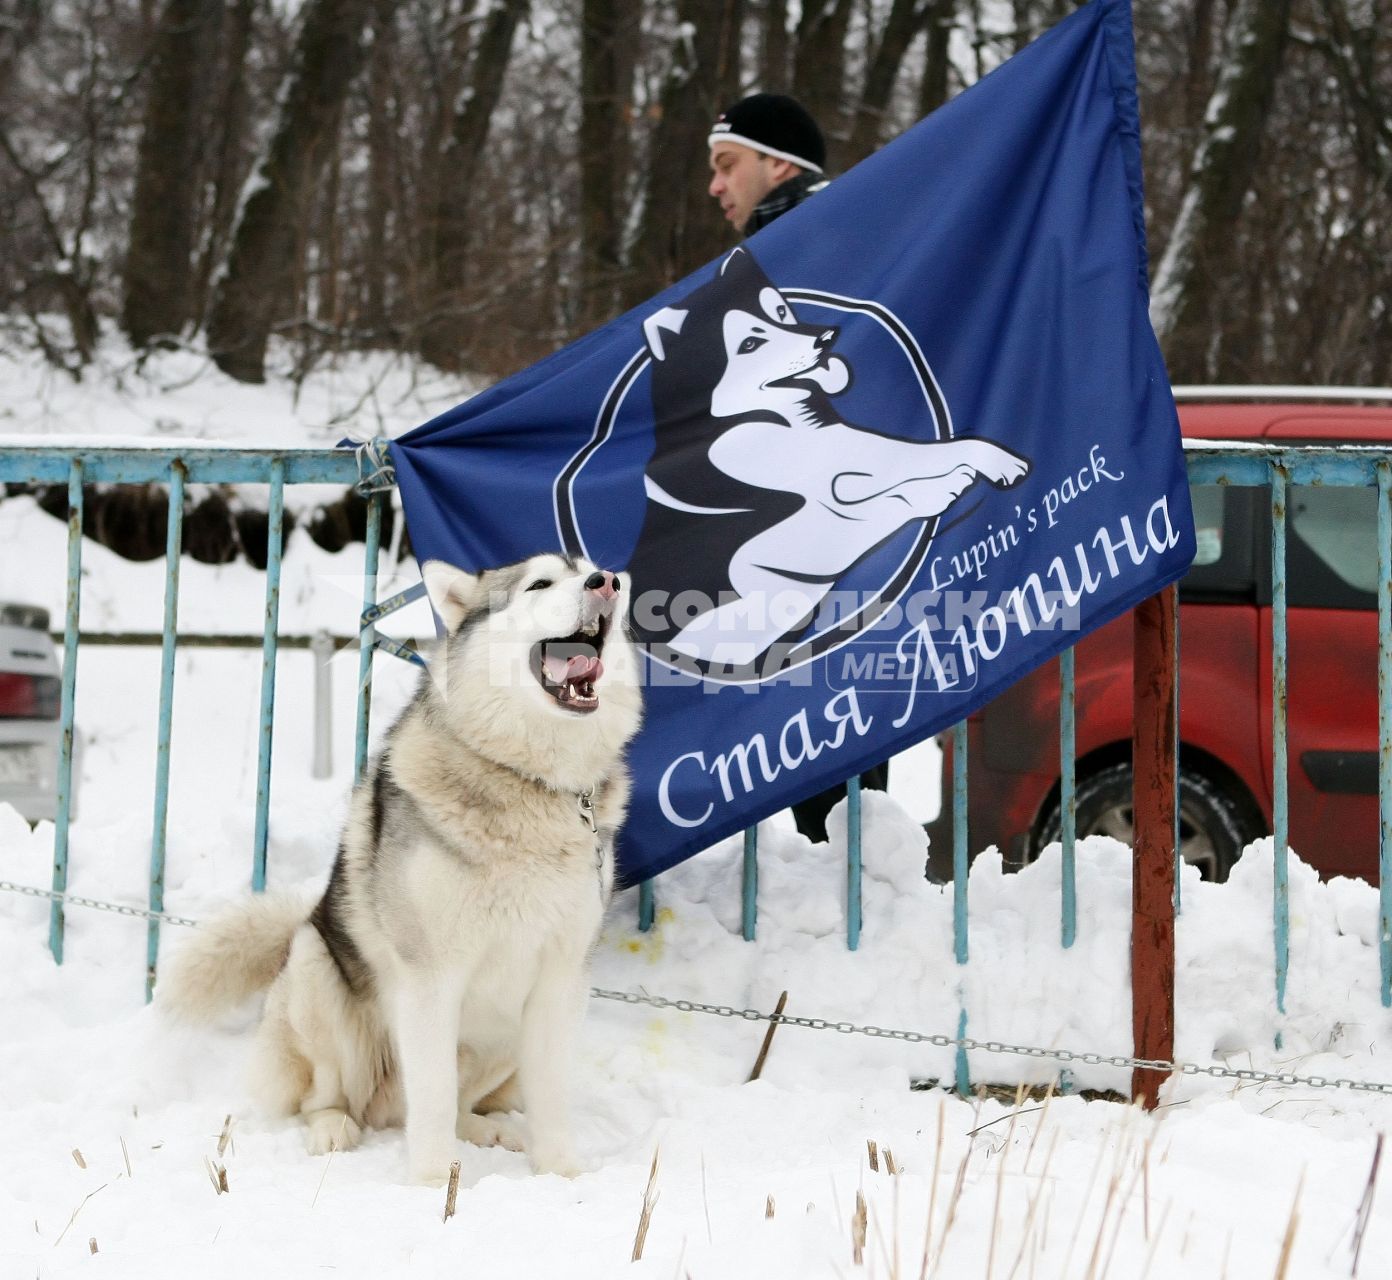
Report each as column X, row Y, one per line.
column 1121, row 1061
column 376, row 474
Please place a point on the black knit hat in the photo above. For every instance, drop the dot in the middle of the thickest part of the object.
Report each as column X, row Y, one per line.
column 775, row 124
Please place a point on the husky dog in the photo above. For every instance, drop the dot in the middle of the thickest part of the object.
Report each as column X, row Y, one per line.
column 758, row 490
column 440, row 979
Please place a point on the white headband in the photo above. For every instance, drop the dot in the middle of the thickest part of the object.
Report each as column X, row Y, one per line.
column 724, row 136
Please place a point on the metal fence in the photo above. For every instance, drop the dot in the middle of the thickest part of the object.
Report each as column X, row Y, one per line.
column 1275, row 468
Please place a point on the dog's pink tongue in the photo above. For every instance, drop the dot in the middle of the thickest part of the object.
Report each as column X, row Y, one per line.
column 560, row 669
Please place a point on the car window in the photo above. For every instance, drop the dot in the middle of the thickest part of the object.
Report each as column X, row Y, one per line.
column 1224, row 551
column 1208, row 524
column 1331, row 547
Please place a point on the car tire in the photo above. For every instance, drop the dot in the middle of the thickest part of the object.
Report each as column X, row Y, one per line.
column 1214, row 825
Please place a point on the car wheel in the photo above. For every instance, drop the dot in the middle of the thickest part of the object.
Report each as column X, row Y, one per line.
column 1214, row 825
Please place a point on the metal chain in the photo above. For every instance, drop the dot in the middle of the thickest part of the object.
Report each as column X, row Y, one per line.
column 845, row 1028
column 72, row 900
column 996, row 1046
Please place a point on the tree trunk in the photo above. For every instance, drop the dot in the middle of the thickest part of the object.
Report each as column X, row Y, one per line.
column 444, row 332
column 679, row 228
column 600, row 96
column 867, row 126
column 819, row 66
column 328, row 53
column 226, row 118
column 381, row 160
column 1188, row 281
column 933, row 88
column 773, row 46
column 159, row 275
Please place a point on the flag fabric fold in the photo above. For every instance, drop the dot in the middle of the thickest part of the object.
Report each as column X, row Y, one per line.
column 868, row 468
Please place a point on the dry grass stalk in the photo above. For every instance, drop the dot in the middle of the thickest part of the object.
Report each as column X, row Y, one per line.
column 890, row 1167
column 768, row 1038
column 1034, row 1205
column 333, row 1151
column 451, row 1190
column 1288, row 1242
column 952, row 1202
column 1087, row 1197
column 1000, row 1183
column 1113, row 1184
column 933, row 1190
column 92, row 1244
column 125, row 1155
column 649, row 1204
column 77, row 1155
column 874, row 1155
column 1365, row 1206
column 217, row 1175
column 859, row 1221
column 1155, row 1240
column 768, row 1207
column 705, row 1200
column 1043, row 1116
column 1124, row 1204
column 224, row 1137
column 73, row 1219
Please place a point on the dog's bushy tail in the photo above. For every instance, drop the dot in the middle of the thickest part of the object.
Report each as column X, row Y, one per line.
column 231, row 957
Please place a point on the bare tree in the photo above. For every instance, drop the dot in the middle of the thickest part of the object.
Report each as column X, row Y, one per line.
column 159, row 276
column 679, row 228
column 444, row 333
column 328, row 52
column 1185, row 307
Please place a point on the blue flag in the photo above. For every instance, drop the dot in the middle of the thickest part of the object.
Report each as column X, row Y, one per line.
column 865, row 470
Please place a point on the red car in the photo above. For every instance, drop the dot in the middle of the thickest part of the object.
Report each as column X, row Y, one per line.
column 1225, row 793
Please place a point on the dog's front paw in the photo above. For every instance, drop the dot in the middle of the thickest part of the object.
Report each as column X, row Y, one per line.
column 560, row 1158
column 428, row 1157
column 493, row 1130
column 428, row 1173
column 327, row 1131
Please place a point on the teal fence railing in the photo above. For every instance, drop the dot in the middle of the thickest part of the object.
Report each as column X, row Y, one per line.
column 1275, row 468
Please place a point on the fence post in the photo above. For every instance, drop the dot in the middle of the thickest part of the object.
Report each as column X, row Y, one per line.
column 1154, row 779
column 322, row 647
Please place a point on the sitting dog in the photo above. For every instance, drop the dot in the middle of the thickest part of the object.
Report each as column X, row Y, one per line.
column 440, row 979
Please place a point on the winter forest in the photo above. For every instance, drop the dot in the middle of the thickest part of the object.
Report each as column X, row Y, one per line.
column 479, row 181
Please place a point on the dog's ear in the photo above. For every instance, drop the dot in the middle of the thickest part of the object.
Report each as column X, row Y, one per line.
column 454, row 593
column 668, row 320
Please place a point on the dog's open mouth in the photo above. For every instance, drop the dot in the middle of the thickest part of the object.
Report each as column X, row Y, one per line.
column 569, row 667
column 830, row 374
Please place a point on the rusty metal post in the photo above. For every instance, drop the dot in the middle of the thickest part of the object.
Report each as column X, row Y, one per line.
column 1154, row 867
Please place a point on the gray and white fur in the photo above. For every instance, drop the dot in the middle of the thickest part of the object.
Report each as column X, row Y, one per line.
column 441, row 978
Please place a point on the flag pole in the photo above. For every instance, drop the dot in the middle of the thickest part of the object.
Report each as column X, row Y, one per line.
column 1154, row 868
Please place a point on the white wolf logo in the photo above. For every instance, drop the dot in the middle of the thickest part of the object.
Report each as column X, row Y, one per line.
column 760, row 497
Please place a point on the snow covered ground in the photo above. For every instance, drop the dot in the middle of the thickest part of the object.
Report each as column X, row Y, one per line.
column 109, row 1118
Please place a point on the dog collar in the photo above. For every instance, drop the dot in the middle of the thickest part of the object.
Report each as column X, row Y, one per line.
column 585, row 801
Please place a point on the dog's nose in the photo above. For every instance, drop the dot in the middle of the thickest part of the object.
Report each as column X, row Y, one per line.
column 604, row 582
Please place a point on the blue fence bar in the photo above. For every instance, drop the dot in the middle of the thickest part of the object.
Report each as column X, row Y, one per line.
column 1068, row 802
column 1280, row 889
column 1384, row 526
column 56, row 922
column 369, row 634
column 275, row 547
column 749, row 885
column 173, row 546
column 853, row 863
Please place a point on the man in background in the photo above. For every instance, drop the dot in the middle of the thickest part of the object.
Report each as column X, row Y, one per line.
column 766, row 157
